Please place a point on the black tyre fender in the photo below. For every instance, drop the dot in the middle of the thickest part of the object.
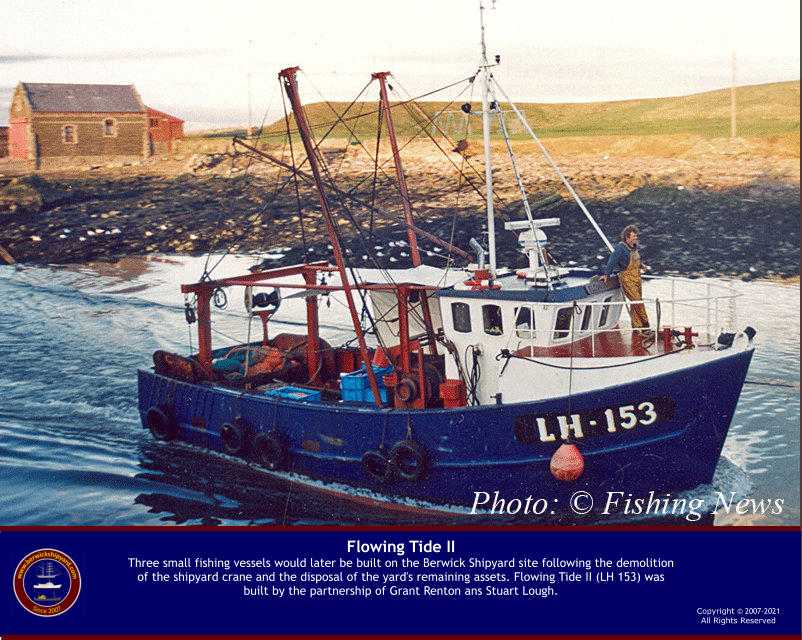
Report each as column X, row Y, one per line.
column 377, row 466
column 271, row 450
column 409, row 460
column 159, row 419
column 233, row 437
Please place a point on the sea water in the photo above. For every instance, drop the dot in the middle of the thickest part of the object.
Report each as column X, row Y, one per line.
column 73, row 451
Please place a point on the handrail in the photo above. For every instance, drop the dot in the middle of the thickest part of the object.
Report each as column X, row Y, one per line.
column 701, row 313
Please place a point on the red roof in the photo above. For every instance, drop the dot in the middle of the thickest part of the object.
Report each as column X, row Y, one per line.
column 160, row 114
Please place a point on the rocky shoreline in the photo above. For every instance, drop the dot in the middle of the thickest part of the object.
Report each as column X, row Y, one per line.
column 716, row 215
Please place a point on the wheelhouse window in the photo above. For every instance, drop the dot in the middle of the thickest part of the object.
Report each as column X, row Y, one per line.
column 461, row 317
column 586, row 316
column 525, row 323
column 491, row 316
column 604, row 312
column 563, row 323
column 69, row 134
column 109, row 127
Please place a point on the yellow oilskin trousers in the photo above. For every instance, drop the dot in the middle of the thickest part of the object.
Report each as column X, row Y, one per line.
column 631, row 286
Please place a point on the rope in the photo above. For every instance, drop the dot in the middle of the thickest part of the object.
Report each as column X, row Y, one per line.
column 505, row 353
column 270, row 201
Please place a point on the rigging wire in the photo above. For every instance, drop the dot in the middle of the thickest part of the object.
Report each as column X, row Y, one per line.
column 345, row 208
column 348, row 128
column 225, row 211
column 295, row 182
column 268, row 220
column 207, row 272
column 370, row 113
column 348, row 143
column 445, row 153
column 554, row 166
column 420, row 129
column 375, row 173
column 367, row 247
column 524, row 198
column 346, row 252
column 391, row 179
column 459, row 187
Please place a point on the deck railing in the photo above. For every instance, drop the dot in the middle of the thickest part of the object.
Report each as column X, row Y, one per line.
column 707, row 308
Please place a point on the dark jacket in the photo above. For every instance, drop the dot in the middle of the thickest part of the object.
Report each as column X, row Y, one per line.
column 619, row 260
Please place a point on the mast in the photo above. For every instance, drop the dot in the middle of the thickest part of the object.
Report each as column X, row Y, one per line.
column 291, row 87
column 399, row 173
column 402, row 188
column 491, row 225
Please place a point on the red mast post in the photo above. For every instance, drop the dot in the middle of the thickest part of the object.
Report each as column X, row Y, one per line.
column 313, row 355
column 291, row 88
column 399, row 173
column 402, row 189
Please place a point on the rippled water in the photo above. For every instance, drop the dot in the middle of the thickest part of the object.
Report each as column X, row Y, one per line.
column 72, row 450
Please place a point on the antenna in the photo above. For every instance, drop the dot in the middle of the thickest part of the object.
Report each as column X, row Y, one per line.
column 491, row 228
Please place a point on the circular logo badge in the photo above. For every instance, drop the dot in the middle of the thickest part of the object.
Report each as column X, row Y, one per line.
column 47, row 582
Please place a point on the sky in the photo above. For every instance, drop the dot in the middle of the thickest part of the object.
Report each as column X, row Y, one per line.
column 193, row 59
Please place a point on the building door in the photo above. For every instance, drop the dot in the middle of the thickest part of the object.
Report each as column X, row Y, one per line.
column 18, row 138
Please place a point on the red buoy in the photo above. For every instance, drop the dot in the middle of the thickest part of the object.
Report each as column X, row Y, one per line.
column 567, row 463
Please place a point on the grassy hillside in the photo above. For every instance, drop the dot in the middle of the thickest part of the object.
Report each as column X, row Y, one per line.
column 762, row 110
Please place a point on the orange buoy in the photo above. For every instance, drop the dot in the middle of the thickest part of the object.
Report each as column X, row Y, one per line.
column 380, row 358
column 567, row 463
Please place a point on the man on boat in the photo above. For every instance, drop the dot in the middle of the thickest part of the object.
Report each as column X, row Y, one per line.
column 625, row 261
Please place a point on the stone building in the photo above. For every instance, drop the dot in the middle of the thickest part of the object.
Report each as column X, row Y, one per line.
column 53, row 124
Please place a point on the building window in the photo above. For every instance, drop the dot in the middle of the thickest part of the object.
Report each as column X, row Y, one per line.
column 461, row 316
column 154, row 122
column 563, row 323
column 69, row 134
column 110, row 127
column 491, row 316
column 525, row 323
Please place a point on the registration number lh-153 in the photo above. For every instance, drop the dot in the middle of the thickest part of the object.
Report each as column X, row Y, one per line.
column 589, row 423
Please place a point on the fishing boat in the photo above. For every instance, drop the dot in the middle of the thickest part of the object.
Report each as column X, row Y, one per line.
column 477, row 381
column 46, row 572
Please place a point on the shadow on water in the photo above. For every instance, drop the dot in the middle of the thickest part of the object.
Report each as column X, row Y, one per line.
column 197, row 487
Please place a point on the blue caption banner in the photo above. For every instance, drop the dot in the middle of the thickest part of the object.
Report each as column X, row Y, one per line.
column 401, row 582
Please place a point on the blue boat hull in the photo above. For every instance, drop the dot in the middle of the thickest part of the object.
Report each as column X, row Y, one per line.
column 482, row 449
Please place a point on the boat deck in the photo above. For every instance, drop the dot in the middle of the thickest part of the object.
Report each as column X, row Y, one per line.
column 621, row 343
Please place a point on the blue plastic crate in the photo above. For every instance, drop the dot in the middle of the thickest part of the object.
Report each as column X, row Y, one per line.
column 366, row 395
column 295, row 393
column 355, row 386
